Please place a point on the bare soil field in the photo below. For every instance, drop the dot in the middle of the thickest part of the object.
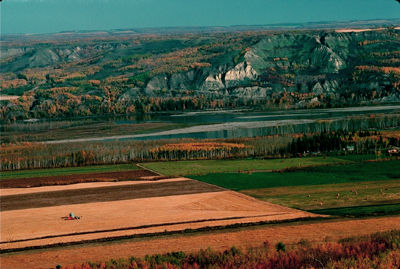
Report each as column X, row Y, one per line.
column 145, row 209
column 103, row 194
column 77, row 178
column 15, row 191
column 287, row 233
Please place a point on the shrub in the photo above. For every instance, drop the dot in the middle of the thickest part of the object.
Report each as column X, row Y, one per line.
column 280, row 247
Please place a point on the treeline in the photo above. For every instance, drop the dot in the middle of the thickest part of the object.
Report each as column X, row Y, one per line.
column 200, row 150
column 111, row 101
column 325, row 136
column 358, row 142
column 67, row 105
column 374, row 251
column 343, row 141
column 318, row 143
column 38, row 155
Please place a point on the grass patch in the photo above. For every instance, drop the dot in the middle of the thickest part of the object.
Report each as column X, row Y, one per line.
column 203, row 167
column 361, row 211
column 67, row 171
column 316, row 197
column 361, row 157
column 358, row 172
column 355, row 189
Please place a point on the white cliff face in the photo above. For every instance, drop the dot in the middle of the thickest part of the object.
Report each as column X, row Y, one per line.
column 52, row 55
column 213, row 82
column 331, row 85
column 240, row 72
column 43, row 57
column 233, row 77
column 317, row 89
column 337, row 62
column 213, row 79
column 255, row 61
column 328, row 60
column 327, row 86
column 75, row 54
column 12, row 52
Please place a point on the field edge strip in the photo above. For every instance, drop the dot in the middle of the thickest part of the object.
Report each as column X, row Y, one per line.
column 165, row 233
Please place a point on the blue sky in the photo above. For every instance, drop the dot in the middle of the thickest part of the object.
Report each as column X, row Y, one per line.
column 47, row 16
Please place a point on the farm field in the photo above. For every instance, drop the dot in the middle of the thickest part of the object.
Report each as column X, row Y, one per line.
column 362, row 211
column 297, row 193
column 288, row 233
column 355, row 172
column 67, row 171
column 78, row 178
column 103, row 194
column 203, row 167
column 316, row 197
column 78, row 186
column 356, row 189
column 127, row 210
column 378, row 250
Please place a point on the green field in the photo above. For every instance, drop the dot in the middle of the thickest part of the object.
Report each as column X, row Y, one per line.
column 355, row 189
column 67, row 171
column 203, row 167
column 315, row 197
column 362, row 211
column 355, row 172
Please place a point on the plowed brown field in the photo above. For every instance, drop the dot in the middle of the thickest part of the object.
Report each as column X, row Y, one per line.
column 77, row 178
column 36, row 219
column 103, row 194
column 77, row 186
column 33, row 217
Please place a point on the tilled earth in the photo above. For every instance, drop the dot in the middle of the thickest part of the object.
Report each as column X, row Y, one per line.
column 103, row 194
column 34, row 218
column 73, row 179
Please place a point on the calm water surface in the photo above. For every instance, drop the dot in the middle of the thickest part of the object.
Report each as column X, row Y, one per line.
column 239, row 123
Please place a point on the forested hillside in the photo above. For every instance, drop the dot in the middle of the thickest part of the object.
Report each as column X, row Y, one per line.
column 128, row 73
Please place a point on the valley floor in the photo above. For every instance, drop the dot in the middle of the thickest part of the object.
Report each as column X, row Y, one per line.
column 161, row 215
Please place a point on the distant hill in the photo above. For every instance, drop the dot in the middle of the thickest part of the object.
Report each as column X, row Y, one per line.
column 322, row 25
column 123, row 71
